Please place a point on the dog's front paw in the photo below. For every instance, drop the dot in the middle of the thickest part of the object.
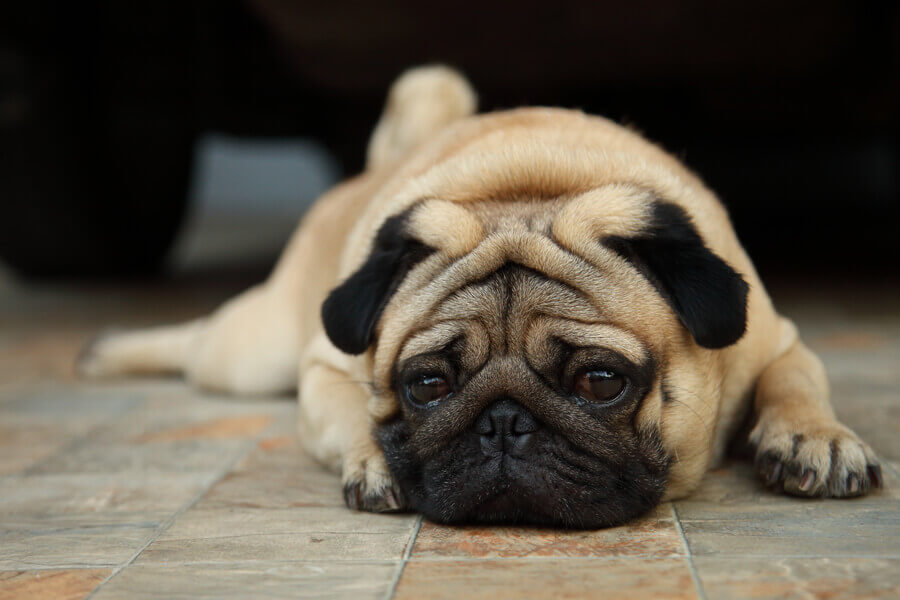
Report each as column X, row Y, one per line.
column 812, row 459
column 369, row 486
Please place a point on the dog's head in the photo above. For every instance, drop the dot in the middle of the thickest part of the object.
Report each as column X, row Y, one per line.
column 542, row 350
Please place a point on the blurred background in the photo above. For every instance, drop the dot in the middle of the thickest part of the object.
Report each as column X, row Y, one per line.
column 147, row 139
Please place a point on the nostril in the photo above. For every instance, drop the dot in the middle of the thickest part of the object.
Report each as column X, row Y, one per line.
column 505, row 418
column 524, row 424
column 484, row 425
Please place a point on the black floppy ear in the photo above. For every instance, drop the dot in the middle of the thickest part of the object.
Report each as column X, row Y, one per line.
column 353, row 308
column 708, row 296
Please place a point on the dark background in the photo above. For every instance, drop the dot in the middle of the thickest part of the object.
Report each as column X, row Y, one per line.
column 789, row 110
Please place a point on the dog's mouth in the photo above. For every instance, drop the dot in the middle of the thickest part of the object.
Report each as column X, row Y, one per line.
column 542, row 480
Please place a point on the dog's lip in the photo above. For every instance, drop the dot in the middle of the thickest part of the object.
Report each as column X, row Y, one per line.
column 499, row 502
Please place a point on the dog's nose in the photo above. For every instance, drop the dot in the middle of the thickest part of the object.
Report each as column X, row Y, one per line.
column 506, row 426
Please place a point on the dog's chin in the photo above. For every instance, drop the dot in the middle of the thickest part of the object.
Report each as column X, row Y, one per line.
column 556, row 486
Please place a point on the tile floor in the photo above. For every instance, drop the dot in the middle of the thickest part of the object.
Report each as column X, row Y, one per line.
column 148, row 489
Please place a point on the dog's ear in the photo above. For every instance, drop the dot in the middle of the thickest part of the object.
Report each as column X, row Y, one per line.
column 352, row 309
column 708, row 295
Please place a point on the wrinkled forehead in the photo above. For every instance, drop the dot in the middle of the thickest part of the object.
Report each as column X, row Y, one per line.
column 516, row 312
column 562, row 272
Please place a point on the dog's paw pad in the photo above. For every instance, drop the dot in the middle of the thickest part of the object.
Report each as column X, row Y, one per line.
column 829, row 461
column 370, row 487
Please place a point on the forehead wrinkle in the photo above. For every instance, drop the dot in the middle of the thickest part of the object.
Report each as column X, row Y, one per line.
column 580, row 334
column 428, row 285
column 484, row 301
column 431, row 338
column 435, row 336
column 534, row 294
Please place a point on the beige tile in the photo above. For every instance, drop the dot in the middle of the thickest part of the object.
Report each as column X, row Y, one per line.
column 40, row 356
column 177, row 412
column 309, row 533
column 142, row 459
column 27, row 438
column 277, row 474
column 16, row 460
column 733, row 514
column 68, row 584
column 805, row 528
column 737, row 484
column 278, row 452
column 199, row 523
column 288, row 489
column 79, row 405
column 92, row 493
column 336, row 580
column 71, row 548
column 627, row 579
column 74, row 540
column 800, row 578
column 873, row 413
column 326, row 546
column 215, row 429
column 653, row 535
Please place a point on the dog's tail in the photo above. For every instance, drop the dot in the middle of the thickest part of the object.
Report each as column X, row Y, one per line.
column 421, row 102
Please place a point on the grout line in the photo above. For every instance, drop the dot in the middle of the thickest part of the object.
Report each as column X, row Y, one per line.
column 250, row 445
column 690, row 557
column 510, row 559
column 406, row 554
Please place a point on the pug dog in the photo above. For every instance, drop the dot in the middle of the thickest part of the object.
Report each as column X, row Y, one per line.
column 531, row 316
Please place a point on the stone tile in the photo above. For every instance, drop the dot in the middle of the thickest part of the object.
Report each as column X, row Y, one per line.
column 335, row 580
column 629, row 579
column 873, row 412
column 309, row 533
column 802, row 528
column 737, row 485
column 142, row 459
column 68, row 584
column 216, row 429
column 179, row 413
column 799, row 578
column 40, row 356
column 653, row 535
column 15, row 459
column 733, row 514
column 71, row 548
column 276, row 474
column 267, row 548
column 276, row 453
column 91, row 493
column 70, row 404
column 199, row 523
column 24, row 444
column 75, row 540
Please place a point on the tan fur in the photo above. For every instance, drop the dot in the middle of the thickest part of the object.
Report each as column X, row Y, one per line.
column 537, row 187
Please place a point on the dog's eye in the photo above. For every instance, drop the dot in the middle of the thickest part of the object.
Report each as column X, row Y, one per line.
column 599, row 385
column 428, row 389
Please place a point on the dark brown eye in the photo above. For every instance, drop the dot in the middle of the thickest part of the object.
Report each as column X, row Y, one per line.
column 428, row 388
column 599, row 386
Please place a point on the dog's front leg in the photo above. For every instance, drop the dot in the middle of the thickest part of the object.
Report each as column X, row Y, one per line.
column 801, row 448
column 336, row 429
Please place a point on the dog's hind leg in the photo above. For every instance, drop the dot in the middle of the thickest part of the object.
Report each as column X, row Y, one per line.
column 248, row 346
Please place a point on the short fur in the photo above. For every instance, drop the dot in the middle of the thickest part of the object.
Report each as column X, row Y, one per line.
column 507, row 253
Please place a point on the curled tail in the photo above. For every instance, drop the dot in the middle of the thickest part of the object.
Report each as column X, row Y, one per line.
column 421, row 102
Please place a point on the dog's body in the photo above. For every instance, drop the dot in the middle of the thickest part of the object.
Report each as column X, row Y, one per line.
column 516, row 270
